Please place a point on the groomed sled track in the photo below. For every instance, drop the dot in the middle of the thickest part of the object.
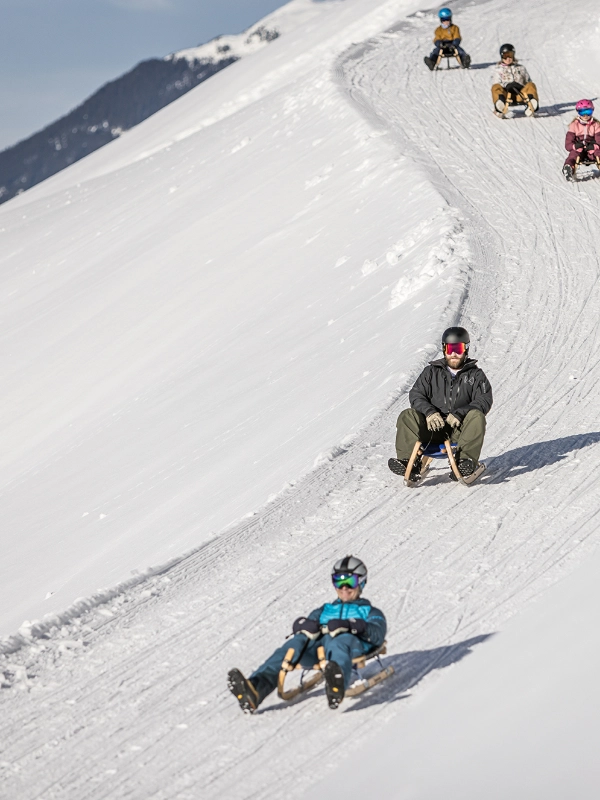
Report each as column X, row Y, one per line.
column 129, row 700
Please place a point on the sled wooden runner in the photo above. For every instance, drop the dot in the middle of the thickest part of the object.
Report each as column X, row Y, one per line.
column 305, row 685
column 579, row 163
column 518, row 100
column 469, row 479
column 447, row 56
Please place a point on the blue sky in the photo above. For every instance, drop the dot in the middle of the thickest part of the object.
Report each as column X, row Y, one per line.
column 55, row 53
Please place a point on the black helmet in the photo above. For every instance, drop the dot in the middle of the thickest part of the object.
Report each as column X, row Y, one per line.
column 351, row 565
column 507, row 48
column 453, row 335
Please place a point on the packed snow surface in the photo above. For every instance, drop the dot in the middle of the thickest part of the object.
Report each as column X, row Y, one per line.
column 209, row 329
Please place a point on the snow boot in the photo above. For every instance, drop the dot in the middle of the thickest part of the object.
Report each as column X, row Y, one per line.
column 334, row 684
column 245, row 693
column 532, row 106
column 568, row 172
column 500, row 103
column 399, row 465
column 430, row 62
column 466, row 61
column 466, row 467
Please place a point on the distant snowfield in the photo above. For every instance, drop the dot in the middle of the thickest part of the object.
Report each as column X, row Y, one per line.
column 238, row 293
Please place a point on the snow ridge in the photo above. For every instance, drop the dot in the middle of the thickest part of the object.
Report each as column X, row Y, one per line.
column 254, row 38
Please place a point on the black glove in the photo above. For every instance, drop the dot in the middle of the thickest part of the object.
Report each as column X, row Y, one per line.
column 355, row 626
column 578, row 145
column 309, row 627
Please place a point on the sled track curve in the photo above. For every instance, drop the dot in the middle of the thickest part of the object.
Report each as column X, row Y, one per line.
column 141, row 681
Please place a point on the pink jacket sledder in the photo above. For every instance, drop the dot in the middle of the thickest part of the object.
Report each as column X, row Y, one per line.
column 582, row 133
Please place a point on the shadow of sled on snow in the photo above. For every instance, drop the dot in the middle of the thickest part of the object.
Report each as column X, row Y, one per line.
column 409, row 669
column 532, row 457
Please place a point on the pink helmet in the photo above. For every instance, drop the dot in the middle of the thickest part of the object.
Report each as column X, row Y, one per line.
column 584, row 105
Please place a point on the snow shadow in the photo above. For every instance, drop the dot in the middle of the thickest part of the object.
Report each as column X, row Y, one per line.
column 483, row 65
column 557, row 109
column 532, row 457
column 410, row 668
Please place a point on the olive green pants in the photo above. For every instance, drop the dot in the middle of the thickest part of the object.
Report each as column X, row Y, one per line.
column 412, row 427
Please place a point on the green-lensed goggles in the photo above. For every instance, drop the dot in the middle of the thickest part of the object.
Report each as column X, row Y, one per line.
column 350, row 579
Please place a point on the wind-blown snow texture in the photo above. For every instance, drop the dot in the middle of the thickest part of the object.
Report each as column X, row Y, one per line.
column 185, row 334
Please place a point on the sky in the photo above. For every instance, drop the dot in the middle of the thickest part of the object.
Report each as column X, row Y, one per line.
column 55, row 53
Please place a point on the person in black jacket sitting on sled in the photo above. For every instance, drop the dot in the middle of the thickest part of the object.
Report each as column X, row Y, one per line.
column 449, row 401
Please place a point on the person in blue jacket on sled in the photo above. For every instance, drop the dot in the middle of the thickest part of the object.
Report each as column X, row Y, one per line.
column 331, row 639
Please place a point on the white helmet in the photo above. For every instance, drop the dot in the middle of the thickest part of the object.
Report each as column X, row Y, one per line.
column 350, row 565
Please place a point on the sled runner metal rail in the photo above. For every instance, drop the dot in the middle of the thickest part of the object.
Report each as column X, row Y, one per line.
column 356, row 688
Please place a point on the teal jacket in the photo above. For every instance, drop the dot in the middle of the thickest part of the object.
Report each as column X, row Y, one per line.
column 373, row 637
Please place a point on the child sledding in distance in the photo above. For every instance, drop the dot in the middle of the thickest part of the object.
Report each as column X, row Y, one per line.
column 511, row 83
column 583, row 138
column 447, row 35
column 347, row 628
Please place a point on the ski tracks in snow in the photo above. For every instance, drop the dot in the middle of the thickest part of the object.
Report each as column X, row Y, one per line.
column 128, row 700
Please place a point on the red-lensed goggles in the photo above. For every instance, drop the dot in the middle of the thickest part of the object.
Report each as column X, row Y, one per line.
column 460, row 348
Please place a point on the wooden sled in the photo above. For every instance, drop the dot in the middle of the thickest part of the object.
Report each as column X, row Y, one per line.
column 358, row 687
column 584, row 162
column 430, row 452
column 448, row 53
column 516, row 99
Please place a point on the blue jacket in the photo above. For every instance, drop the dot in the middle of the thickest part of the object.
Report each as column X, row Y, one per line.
column 373, row 637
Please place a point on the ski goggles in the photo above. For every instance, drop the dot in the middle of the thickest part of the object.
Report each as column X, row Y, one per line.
column 460, row 348
column 341, row 579
column 586, row 112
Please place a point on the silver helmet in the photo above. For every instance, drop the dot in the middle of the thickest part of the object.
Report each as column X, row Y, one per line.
column 351, row 565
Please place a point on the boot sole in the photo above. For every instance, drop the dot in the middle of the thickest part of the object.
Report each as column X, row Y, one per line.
column 334, row 684
column 239, row 686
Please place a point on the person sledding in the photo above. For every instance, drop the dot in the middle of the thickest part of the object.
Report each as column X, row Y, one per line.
column 331, row 637
column 446, row 40
column 449, row 403
column 512, row 85
column 583, row 139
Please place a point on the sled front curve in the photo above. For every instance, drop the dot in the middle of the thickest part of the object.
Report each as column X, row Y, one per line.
column 304, row 686
column 447, row 53
column 466, row 481
column 357, row 688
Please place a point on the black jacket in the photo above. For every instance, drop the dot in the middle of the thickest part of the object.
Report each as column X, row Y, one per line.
column 436, row 389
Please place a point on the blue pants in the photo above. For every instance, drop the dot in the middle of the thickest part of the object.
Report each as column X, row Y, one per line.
column 341, row 649
column 439, row 44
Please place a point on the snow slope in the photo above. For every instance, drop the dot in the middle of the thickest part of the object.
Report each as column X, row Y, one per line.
column 445, row 213
column 185, row 333
column 516, row 720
